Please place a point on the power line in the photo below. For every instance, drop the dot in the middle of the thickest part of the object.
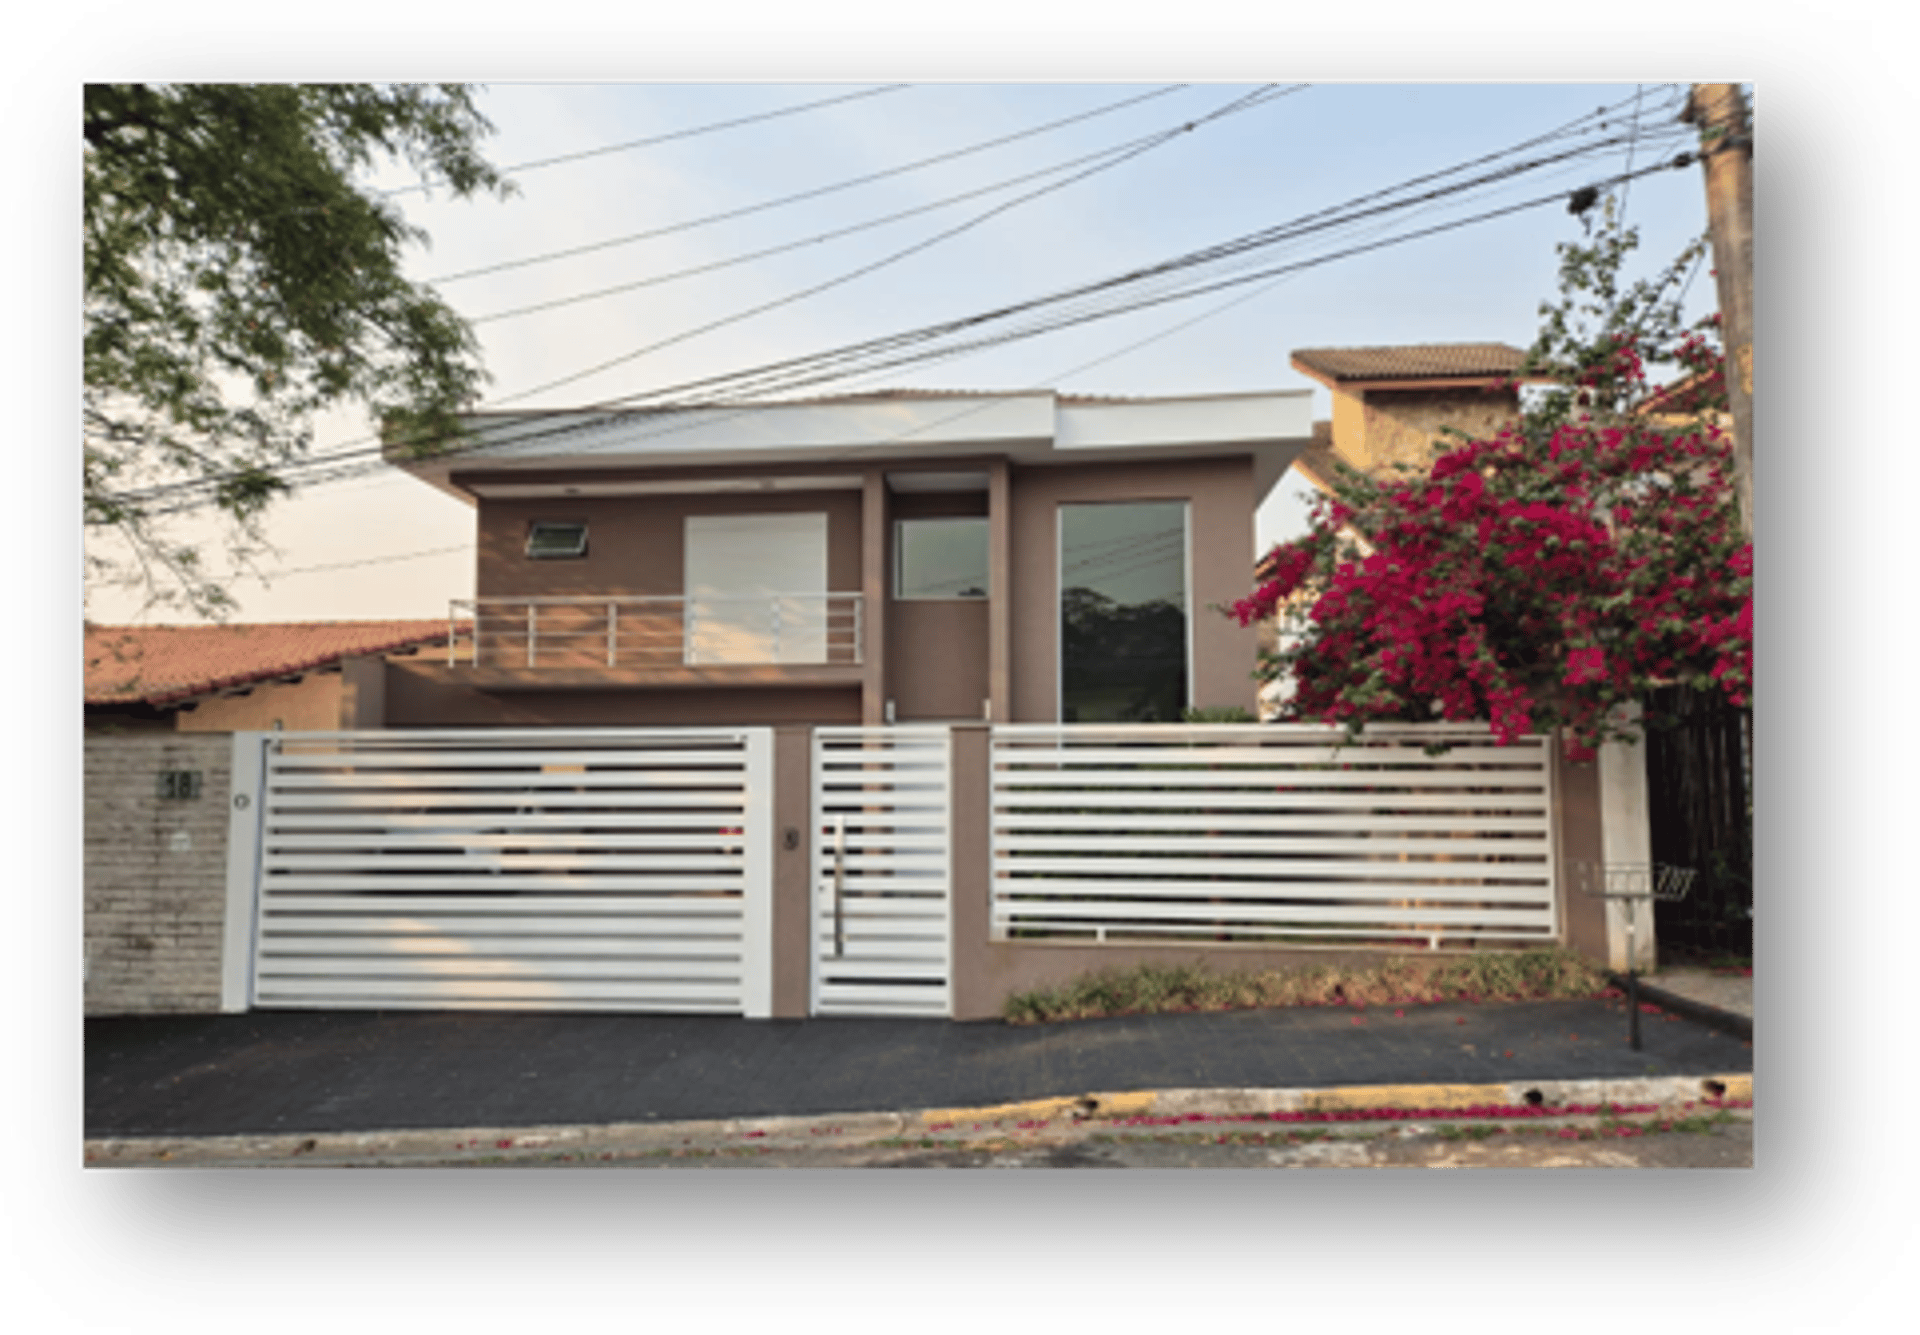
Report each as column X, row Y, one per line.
column 1125, row 350
column 656, row 280
column 817, row 192
column 1239, row 104
column 798, row 372
column 671, row 136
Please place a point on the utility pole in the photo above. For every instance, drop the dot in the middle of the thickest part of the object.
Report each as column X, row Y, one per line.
column 1726, row 154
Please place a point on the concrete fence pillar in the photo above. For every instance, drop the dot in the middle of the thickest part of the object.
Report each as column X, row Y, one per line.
column 971, row 833
column 793, row 836
column 1626, row 840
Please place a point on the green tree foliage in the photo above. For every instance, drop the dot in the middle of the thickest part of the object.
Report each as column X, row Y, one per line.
column 241, row 277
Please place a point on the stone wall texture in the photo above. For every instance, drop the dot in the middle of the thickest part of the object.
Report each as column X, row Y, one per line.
column 155, row 877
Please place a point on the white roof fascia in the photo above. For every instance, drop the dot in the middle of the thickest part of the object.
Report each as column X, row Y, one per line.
column 1031, row 427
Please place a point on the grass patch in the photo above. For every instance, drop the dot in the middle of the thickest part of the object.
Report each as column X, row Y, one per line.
column 1154, row 989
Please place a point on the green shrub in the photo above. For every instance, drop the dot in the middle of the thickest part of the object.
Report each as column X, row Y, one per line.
column 1158, row 989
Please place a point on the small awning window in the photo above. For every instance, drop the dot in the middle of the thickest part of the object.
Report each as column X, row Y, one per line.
column 547, row 540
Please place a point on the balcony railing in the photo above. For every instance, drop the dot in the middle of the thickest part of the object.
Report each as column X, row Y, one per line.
column 657, row 632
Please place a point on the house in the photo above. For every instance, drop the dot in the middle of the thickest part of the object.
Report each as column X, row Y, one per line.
column 229, row 678
column 899, row 557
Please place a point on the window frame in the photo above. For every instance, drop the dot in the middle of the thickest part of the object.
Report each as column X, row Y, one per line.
column 1060, row 589
column 534, row 528
column 900, row 556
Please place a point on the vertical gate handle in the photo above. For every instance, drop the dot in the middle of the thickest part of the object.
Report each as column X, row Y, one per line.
column 839, row 883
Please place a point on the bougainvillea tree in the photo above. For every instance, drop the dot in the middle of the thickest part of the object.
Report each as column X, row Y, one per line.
column 1546, row 575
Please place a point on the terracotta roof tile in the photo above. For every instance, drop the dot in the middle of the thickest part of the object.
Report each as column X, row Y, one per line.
column 161, row 664
column 1422, row 361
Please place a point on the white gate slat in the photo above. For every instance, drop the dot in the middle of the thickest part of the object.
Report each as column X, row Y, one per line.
column 517, row 868
column 886, row 791
column 1179, row 870
column 716, row 973
column 531, row 784
column 1280, row 800
column 1234, row 846
column 1330, row 824
column 486, row 859
column 479, row 879
column 1272, row 913
column 1271, row 830
column 500, row 994
column 1204, row 892
column 695, row 803
column 526, row 761
column 382, row 936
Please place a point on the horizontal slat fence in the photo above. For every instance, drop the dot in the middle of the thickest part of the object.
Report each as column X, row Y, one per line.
column 882, row 921
column 1271, row 834
column 535, row 870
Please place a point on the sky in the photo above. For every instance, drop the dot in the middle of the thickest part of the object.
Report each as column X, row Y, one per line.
column 389, row 546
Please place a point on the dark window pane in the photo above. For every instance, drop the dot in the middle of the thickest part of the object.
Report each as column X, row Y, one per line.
column 548, row 541
column 1123, row 612
column 940, row 558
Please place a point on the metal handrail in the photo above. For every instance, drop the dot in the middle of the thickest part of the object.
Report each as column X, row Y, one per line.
column 541, row 628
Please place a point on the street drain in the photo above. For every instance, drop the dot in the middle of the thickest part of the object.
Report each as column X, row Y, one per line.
column 1715, row 1088
column 1534, row 1098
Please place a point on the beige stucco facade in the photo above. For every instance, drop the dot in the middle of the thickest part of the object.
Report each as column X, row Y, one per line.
column 921, row 660
column 916, row 660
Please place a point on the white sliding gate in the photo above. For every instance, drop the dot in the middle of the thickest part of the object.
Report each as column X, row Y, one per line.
column 1271, row 833
column 548, row 869
column 882, row 916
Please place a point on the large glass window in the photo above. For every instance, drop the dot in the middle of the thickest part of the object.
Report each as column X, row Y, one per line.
column 1123, row 612
column 940, row 558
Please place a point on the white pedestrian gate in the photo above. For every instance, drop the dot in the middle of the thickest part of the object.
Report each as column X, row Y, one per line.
column 883, row 911
column 548, row 869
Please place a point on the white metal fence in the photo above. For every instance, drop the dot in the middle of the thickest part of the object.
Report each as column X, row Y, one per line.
column 1270, row 833
column 549, row 869
column 882, row 916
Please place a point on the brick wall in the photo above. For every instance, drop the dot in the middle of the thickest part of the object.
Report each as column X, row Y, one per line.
column 156, row 874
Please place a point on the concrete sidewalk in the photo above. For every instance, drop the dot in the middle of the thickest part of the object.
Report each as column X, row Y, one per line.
column 307, row 1074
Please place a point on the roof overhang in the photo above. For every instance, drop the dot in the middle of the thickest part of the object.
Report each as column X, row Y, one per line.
column 824, row 444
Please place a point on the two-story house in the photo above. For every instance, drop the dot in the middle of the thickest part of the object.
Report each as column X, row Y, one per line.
column 898, row 557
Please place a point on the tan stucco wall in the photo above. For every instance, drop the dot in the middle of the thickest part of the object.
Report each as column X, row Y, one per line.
column 311, row 704
column 1220, row 534
column 636, row 545
column 937, row 660
column 425, row 695
column 1381, row 427
column 937, row 649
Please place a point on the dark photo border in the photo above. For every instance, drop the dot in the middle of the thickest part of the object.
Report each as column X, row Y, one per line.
column 1775, row 1243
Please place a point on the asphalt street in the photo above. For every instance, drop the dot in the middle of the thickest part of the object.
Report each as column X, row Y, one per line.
column 342, row 1071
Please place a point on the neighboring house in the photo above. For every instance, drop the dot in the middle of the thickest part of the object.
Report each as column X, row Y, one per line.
column 314, row 675
column 899, row 557
column 1391, row 405
column 161, row 705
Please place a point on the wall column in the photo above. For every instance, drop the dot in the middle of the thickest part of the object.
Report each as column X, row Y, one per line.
column 1000, row 593
column 874, row 587
column 1626, row 840
column 792, row 861
column 970, row 837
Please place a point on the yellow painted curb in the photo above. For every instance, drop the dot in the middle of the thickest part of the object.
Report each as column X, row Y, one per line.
column 1106, row 1105
column 1342, row 1098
